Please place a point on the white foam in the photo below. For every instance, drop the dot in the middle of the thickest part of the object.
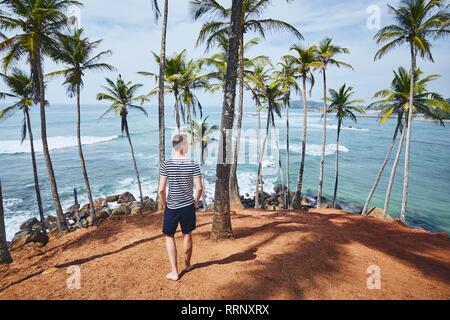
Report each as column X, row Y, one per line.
column 335, row 127
column 54, row 143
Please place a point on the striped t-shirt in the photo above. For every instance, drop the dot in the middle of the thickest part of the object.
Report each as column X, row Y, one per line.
column 180, row 173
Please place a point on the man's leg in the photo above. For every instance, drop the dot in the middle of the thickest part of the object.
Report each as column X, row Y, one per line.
column 172, row 252
column 188, row 246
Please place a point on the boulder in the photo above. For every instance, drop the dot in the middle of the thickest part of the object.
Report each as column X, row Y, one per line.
column 211, row 206
column 122, row 210
column 136, row 211
column 72, row 211
column 133, row 205
column 25, row 237
column 83, row 215
column 113, row 198
column 126, row 198
column 29, row 224
column 279, row 188
column 102, row 215
column 100, row 203
column 149, row 205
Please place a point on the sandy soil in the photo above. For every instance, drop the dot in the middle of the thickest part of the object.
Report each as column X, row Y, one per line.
column 274, row 256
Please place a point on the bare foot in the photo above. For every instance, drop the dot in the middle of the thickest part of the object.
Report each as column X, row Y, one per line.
column 173, row 276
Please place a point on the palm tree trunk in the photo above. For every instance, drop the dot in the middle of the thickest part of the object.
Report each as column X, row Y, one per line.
column 258, row 176
column 135, row 164
column 262, row 199
column 380, row 173
column 337, row 163
column 202, row 159
column 393, row 173
column 296, row 203
column 221, row 228
column 62, row 224
column 408, row 138
column 5, row 256
column 324, row 141
column 161, row 102
column 280, row 165
column 35, row 173
column 83, row 162
column 287, row 199
column 236, row 202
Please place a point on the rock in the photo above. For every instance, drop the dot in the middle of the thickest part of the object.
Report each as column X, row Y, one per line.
column 279, row 207
column 136, row 211
column 54, row 232
column 71, row 212
column 102, row 215
column 29, row 224
column 278, row 188
column 122, row 210
column 149, row 205
column 89, row 221
column 134, row 205
column 100, row 203
column 83, row 215
column 211, row 206
column 126, row 198
column 113, row 198
column 25, row 237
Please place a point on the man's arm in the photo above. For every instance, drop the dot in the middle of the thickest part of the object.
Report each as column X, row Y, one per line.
column 162, row 191
column 199, row 190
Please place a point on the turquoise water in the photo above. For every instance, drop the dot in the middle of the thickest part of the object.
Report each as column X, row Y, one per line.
column 111, row 170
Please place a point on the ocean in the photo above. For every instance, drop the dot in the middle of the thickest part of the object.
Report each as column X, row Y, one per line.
column 363, row 148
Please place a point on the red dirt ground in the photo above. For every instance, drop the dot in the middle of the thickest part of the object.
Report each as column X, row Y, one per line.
column 273, row 256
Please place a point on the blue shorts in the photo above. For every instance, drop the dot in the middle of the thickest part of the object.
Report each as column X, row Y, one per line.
column 184, row 216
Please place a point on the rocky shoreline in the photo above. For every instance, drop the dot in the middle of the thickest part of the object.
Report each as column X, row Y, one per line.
column 111, row 207
column 125, row 204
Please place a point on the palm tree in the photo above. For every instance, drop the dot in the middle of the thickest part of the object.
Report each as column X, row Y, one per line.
column 5, row 256
column 258, row 76
column 221, row 227
column 121, row 94
column 182, row 79
column 273, row 96
column 395, row 100
column 306, row 60
column 37, row 23
column 19, row 84
column 162, row 59
column 162, row 62
column 211, row 33
column 416, row 22
column 202, row 132
column 77, row 53
column 287, row 78
column 219, row 62
column 326, row 55
column 342, row 104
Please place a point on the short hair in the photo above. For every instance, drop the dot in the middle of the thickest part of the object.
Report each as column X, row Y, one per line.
column 179, row 140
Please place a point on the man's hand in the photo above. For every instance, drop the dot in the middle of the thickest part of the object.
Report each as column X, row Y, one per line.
column 196, row 204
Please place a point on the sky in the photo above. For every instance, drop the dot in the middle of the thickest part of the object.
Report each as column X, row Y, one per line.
column 128, row 29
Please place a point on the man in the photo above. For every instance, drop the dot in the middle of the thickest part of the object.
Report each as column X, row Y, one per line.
column 180, row 205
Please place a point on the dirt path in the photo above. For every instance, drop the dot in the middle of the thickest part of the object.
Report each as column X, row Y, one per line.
column 274, row 256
